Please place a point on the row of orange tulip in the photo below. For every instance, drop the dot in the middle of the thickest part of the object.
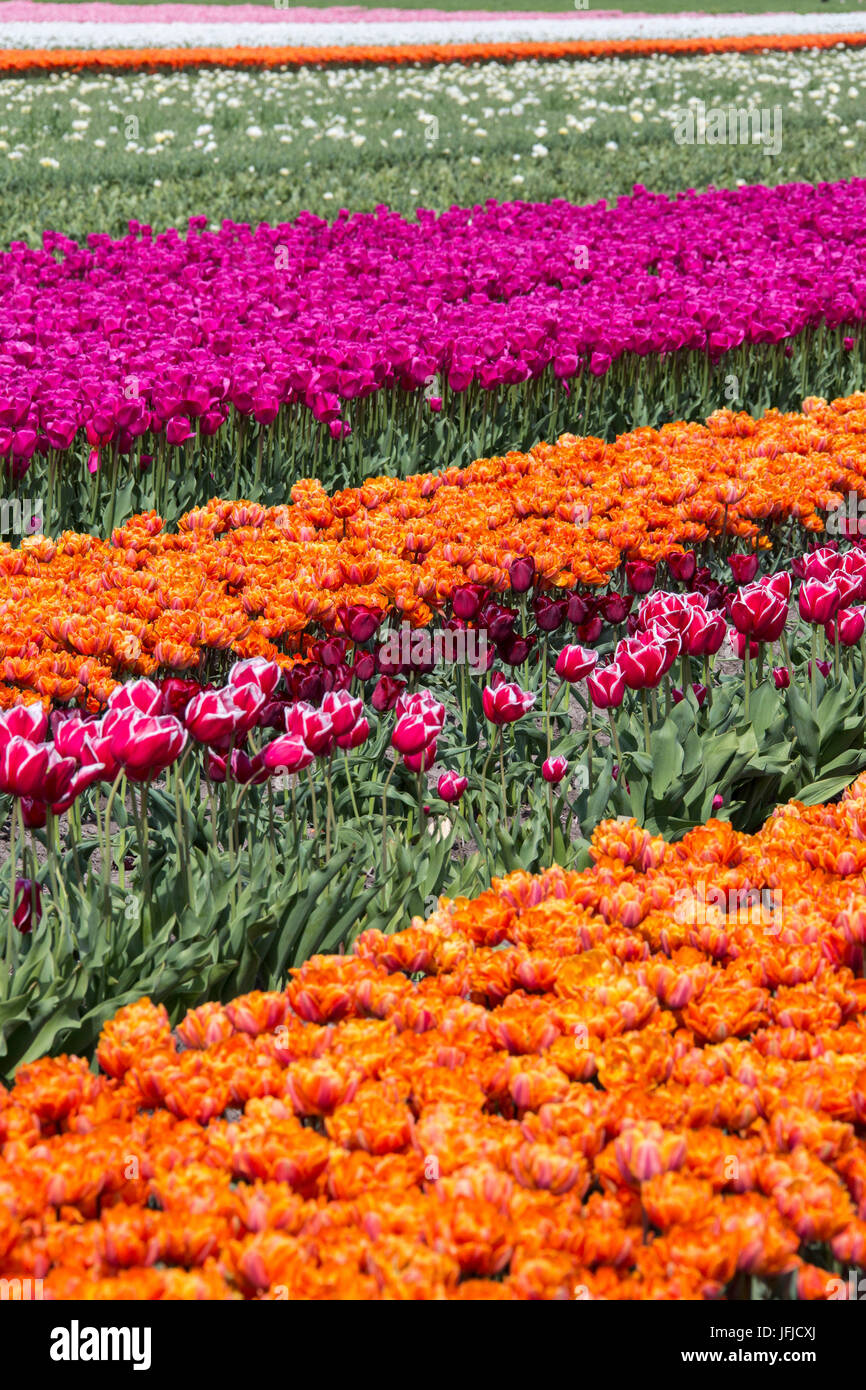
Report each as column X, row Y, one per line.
column 261, row 56
column 603, row 1084
column 78, row 613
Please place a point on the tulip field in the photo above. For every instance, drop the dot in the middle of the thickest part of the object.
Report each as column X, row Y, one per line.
column 432, row 655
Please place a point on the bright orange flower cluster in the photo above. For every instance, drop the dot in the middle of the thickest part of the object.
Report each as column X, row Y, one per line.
column 79, row 613
column 572, row 1086
column 260, row 56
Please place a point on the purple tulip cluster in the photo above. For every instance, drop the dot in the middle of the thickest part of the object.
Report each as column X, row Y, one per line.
column 164, row 334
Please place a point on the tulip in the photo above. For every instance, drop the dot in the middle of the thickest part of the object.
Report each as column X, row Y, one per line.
column 642, row 661
column 849, row 624
column 757, row 611
column 176, row 696
column 554, row 769
column 743, row 568
column 364, row 666
column 606, row 687
column 34, row 813
column 820, row 563
column 514, row 650
column 354, row 737
column 573, row 663
column 451, row 787
column 422, row 761
column 466, row 601
column 255, row 671
column 332, row 651
column 213, row 716
column 412, row 734
column 506, row 703
column 615, row 607
column 704, row 633
column 521, row 573
column 143, row 696
column 145, row 745
column 385, row 693
column 343, row 709
column 28, row 905
column 358, row 621
column 549, row 613
column 288, row 753
column 682, row 566
column 640, row 576
column 781, row 677
column 315, row 727
column 24, row 721
column 22, row 767
column 818, row 601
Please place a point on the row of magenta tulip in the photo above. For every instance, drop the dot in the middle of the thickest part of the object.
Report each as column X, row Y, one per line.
column 149, row 367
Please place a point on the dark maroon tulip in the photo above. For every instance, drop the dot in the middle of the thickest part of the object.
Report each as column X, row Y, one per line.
column 549, row 613
column 514, row 650
column 521, row 573
column 364, row 667
column 682, row 566
column 781, row 677
column 616, row 608
column 640, row 576
column 467, row 601
column 359, row 621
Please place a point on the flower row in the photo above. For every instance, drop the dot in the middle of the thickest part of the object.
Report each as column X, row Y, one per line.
column 617, row 1083
column 592, row 521
column 252, row 340
column 265, row 56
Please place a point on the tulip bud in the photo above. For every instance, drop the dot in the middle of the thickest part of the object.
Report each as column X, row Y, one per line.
column 554, row 769
column 743, row 568
column 451, row 787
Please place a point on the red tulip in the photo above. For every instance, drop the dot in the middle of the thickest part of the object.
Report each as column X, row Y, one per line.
column 27, row 909
column 782, row 677
column 213, row 716
column 412, row 734
column 615, row 607
column 288, row 753
column 423, row 761
column 554, row 769
column 757, row 611
column 385, row 693
column 354, row 737
column 24, row 721
column 343, row 709
column 521, row 573
column 850, row 623
column 820, row 564
column 255, row 671
column 467, row 600
column 818, row 601
column 549, row 613
column 358, row 621
column 22, row 767
column 451, row 787
column 743, row 568
column 314, row 726
column 176, row 695
column 606, row 687
column 640, row 576
column 682, row 566
column 143, row 696
column 704, row 633
column 145, row 745
column 573, row 663
column 506, row 703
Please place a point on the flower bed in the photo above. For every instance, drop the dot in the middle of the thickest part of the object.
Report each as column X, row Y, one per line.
column 242, row 356
column 240, row 578
column 599, row 1084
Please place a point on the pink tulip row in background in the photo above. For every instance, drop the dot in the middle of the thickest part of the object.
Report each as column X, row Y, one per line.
column 167, row 333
